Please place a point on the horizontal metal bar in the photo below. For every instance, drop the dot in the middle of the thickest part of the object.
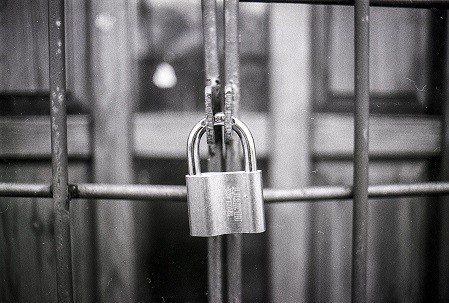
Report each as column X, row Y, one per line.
column 26, row 190
column 393, row 3
column 129, row 192
column 179, row 193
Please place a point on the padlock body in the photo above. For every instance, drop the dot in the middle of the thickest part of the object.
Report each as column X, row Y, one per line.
column 225, row 203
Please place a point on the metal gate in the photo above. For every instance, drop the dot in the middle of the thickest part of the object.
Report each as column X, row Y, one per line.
column 62, row 192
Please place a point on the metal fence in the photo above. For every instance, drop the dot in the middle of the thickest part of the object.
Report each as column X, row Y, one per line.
column 62, row 192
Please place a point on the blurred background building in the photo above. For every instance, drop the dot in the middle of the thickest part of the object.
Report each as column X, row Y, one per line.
column 135, row 76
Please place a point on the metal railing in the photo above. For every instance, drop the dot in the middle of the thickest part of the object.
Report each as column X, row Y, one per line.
column 178, row 193
column 62, row 192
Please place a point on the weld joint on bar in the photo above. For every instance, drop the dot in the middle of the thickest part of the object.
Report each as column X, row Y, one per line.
column 73, row 191
column 212, row 104
column 230, row 90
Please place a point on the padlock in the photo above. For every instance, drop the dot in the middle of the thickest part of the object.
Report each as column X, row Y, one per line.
column 224, row 202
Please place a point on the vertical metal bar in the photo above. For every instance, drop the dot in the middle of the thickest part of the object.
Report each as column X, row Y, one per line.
column 443, row 270
column 437, row 269
column 321, row 16
column 211, row 61
column 438, row 170
column 361, row 135
column 56, row 41
column 233, row 242
column 234, row 267
column 92, row 251
column 212, row 73
column 215, row 269
column 232, row 72
column 324, row 249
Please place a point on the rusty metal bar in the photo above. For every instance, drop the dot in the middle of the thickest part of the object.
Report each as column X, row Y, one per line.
column 178, row 193
column 211, row 61
column 442, row 4
column 58, row 97
column 361, row 137
column 214, row 140
column 232, row 70
column 231, row 108
column 211, row 69
column 215, row 269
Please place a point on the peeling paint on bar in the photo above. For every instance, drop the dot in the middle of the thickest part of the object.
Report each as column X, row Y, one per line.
column 60, row 192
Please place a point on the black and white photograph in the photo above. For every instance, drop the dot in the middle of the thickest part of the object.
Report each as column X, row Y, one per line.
column 224, row 151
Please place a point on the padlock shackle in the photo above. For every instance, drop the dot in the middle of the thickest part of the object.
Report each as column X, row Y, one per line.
column 193, row 143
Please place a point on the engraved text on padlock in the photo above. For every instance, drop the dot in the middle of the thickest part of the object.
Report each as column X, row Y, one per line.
column 224, row 202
